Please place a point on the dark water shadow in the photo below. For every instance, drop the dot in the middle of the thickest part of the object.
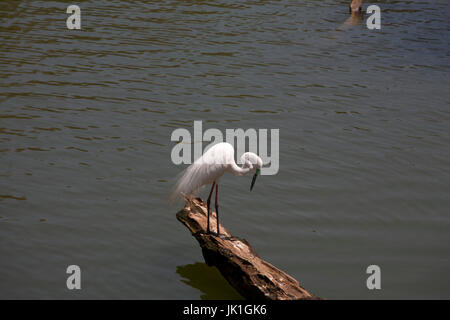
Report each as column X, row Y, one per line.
column 209, row 281
column 355, row 19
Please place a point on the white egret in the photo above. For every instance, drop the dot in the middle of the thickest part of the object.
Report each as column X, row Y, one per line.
column 210, row 167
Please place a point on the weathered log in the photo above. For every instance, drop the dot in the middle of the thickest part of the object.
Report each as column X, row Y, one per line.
column 237, row 261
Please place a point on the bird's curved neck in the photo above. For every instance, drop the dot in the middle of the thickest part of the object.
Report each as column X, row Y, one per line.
column 239, row 171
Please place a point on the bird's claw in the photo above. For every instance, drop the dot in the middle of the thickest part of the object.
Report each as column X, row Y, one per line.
column 212, row 233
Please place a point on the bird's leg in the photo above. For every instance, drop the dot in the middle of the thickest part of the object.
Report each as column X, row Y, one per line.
column 217, row 210
column 208, row 202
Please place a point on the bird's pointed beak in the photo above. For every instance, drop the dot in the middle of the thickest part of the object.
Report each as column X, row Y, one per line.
column 254, row 179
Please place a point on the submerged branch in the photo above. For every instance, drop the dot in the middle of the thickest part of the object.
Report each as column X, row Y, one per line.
column 237, row 261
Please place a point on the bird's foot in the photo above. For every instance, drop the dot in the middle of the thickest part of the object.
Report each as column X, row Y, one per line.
column 219, row 235
column 212, row 233
column 215, row 234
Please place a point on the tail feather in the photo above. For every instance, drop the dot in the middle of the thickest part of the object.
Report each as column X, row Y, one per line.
column 188, row 185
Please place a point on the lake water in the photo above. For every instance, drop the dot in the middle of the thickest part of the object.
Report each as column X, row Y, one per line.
column 86, row 118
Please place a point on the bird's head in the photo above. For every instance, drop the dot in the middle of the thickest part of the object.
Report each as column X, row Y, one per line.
column 254, row 162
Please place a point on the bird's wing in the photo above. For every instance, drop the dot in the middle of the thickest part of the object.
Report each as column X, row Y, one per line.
column 195, row 176
column 205, row 170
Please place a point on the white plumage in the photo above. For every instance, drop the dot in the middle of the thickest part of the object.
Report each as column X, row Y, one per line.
column 210, row 167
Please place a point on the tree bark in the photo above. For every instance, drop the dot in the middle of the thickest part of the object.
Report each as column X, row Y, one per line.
column 237, row 261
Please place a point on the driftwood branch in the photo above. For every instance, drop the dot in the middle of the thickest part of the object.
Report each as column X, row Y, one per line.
column 237, row 261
